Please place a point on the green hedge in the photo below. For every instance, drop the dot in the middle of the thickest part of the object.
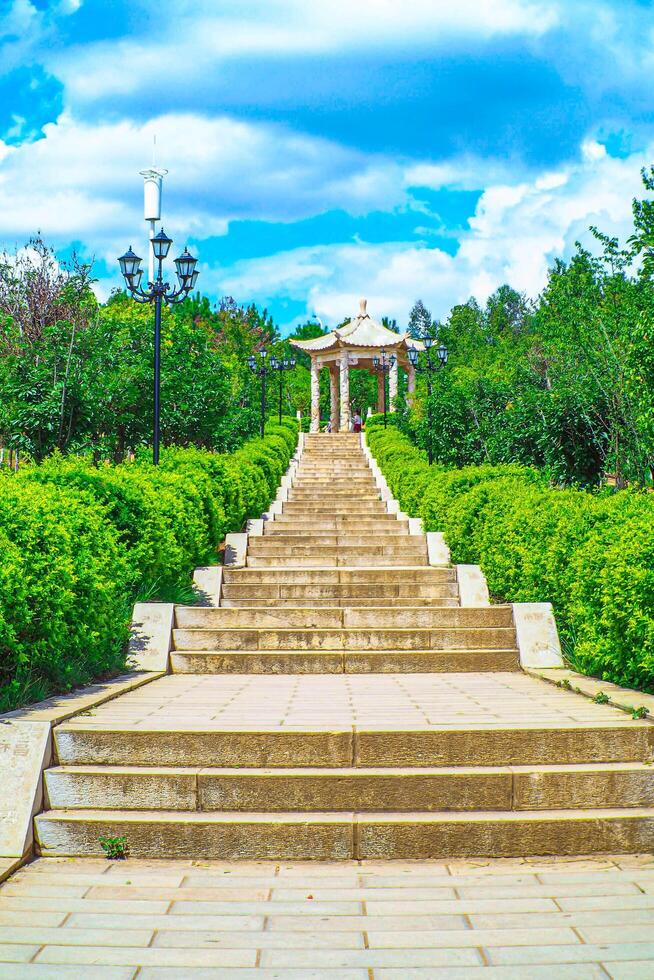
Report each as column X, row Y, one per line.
column 590, row 554
column 80, row 543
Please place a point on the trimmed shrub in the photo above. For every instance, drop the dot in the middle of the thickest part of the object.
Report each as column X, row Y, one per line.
column 80, row 543
column 591, row 554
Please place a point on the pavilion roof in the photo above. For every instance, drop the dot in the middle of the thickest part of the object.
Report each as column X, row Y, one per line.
column 362, row 331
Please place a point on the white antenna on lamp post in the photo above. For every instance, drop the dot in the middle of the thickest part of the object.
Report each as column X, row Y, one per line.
column 152, row 184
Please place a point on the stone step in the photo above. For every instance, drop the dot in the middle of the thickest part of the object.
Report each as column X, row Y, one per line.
column 339, row 471
column 384, row 523
column 307, row 512
column 340, row 836
column 400, row 576
column 360, row 474
column 304, row 546
column 333, row 535
column 350, row 602
column 618, row 785
column 303, row 516
column 305, row 617
column 335, row 480
column 88, row 742
column 374, row 639
column 325, row 661
column 343, row 558
column 300, row 594
column 336, row 496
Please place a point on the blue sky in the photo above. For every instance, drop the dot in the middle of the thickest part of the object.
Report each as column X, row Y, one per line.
column 322, row 152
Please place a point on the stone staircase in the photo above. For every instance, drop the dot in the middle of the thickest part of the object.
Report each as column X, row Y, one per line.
column 340, row 703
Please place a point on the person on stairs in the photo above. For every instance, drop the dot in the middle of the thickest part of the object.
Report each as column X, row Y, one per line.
column 356, row 422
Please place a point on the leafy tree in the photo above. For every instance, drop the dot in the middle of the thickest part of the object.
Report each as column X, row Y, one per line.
column 420, row 321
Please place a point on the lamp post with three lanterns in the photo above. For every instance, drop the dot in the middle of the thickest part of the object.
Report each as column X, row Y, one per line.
column 281, row 364
column 261, row 365
column 158, row 292
column 428, row 367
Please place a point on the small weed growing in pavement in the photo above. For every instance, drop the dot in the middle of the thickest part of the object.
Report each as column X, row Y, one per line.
column 641, row 712
column 116, row 848
column 565, row 684
column 601, row 698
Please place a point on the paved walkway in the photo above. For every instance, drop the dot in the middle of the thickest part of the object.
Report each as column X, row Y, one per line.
column 324, row 701
column 511, row 919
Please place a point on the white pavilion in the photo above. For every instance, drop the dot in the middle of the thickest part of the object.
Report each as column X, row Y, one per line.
column 355, row 345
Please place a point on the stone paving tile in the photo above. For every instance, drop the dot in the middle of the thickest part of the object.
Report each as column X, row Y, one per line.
column 593, row 918
column 361, row 923
column 42, row 971
column 589, row 902
column 305, row 908
column 10, row 953
column 15, row 917
column 589, row 972
column 165, row 973
column 177, row 957
column 75, row 937
column 471, row 937
column 372, row 958
column 101, row 920
column 635, row 970
column 579, row 953
column 507, row 919
column 260, row 940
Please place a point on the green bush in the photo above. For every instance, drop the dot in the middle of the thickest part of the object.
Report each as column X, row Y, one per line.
column 590, row 554
column 80, row 543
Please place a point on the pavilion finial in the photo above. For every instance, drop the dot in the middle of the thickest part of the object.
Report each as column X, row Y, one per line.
column 363, row 303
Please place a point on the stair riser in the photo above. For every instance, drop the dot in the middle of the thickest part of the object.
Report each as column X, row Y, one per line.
column 308, row 513
column 225, row 841
column 341, row 561
column 462, row 638
column 189, row 617
column 345, row 662
column 289, row 749
column 334, row 839
column 340, row 524
column 404, row 578
column 291, row 537
column 307, row 545
column 337, row 473
column 351, row 509
column 302, row 594
column 355, row 603
column 204, row 790
column 338, row 493
column 406, row 549
column 333, row 528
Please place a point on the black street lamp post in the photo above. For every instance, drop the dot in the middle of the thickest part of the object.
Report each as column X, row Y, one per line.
column 383, row 365
column 281, row 364
column 261, row 370
column 158, row 293
column 429, row 367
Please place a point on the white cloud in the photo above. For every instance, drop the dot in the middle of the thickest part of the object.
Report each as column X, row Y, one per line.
column 191, row 38
column 81, row 181
column 515, row 235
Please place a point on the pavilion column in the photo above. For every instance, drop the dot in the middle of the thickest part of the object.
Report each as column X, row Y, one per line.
column 333, row 398
column 345, row 393
column 315, row 395
column 411, row 384
column 392, row 386
column 381, row 381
